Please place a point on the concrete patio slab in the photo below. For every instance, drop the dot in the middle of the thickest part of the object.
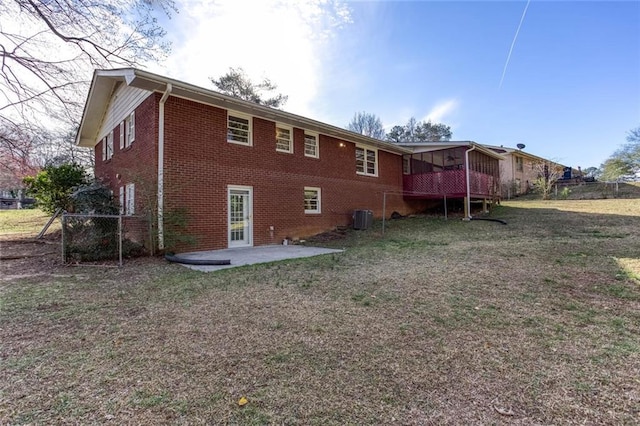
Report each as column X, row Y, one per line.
column 252, row 255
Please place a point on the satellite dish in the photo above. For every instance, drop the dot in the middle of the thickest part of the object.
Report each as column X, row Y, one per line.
column 520, row 146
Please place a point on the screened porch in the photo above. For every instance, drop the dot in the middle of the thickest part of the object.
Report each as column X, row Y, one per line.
column 441, row 173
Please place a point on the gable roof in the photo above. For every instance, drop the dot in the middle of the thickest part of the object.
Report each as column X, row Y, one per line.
column 507, row 150
column 105, row 82
column 417, row 147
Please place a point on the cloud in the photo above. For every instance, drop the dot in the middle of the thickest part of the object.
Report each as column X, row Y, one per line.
column 283, row 40
column 442, row 110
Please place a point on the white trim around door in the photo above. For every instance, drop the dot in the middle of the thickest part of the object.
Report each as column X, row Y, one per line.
column 240, row 216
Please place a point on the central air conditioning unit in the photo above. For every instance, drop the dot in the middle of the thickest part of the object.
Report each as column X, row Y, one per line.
column 362, row 219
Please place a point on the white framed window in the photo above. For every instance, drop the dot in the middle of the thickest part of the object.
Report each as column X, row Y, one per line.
column 130, row 125
column 104, row 149
column 122, row 135
column 130, row 197
column 284, row 139
column 239, row 129
column 311, row 148
column 121, row 199
column 366, row 161
column 406, row 165
column 312, row 200
column 109, row 145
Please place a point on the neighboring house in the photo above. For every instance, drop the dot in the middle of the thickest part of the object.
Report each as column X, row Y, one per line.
column 14, row 199
column 453, row 169
column 244, row 174
column 519, row 170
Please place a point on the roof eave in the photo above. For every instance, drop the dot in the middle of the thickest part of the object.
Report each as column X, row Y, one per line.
column 451, row 144
column 153, row 82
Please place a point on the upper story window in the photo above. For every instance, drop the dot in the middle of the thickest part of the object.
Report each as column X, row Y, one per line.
column 284, row 139
column 519, row 164
column 110, row 145
column 121, row 135
column 312, row 200
column 130, row 129
column 107, row 147
column 238, row 129
column 366, row 161
column 311, row 148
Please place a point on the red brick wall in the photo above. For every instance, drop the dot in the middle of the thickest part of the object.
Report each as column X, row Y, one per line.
column 137, row 164
column 200, row 164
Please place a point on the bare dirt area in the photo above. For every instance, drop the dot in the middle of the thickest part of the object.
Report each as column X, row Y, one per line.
column 432, row 322
column 27, row 256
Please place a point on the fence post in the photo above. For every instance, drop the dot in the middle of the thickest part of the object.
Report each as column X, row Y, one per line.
column 120, row 241
column 152, row 243
column 64, row 225
column 384, row 209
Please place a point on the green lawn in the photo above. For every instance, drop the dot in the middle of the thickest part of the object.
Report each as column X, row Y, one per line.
column 28, row 222
column 436, row 322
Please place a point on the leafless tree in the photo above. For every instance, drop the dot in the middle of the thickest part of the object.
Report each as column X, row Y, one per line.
column 548, row 174
column 17, row 152
column 49, row 48
column 367, row 124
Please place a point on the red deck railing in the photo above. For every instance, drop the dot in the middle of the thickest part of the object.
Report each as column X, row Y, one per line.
column 451, row 183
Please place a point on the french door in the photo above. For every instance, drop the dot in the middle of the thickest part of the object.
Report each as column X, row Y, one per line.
column 240, row 216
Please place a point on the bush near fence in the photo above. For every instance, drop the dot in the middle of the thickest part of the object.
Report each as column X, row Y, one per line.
column 91, row 238
column 596, row 190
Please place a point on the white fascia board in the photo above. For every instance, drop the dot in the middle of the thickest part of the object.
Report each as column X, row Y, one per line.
column 149, row 81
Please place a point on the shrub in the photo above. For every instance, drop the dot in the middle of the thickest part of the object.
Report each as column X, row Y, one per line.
column 52, row 187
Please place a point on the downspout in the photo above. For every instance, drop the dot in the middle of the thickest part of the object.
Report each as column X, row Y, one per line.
column 164, row 98
column 467, row 167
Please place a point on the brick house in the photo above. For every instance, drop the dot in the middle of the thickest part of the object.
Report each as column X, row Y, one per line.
column 519, row 170
column 243, row 173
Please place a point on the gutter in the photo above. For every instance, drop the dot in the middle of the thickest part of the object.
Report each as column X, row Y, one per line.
column 164, row 98
column 267, row 113
column 467, row 170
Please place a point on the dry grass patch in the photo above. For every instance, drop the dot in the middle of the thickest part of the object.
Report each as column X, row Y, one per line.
column 630, row 267
column 24, row 223
column 437, row 322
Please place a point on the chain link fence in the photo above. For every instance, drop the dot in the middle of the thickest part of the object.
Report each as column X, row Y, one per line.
column 104, row 239
column 580, row 190
column 593, row 190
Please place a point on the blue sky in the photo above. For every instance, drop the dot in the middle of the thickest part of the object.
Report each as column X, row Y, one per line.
column 570, row 92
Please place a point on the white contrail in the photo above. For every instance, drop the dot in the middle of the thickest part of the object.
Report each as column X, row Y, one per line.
column 506, row 64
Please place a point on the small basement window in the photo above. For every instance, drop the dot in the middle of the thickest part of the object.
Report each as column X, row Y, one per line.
column 312, row 200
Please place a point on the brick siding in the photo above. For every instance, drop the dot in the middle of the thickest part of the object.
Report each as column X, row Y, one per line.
column 200, row 165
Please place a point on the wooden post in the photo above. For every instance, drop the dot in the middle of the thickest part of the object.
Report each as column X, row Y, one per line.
column 384, row 210
column 484, row 206
column 466, row 209
column 445, row 207
column 41, row 234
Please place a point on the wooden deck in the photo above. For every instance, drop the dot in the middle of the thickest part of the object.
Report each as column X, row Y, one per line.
column 449, row 183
